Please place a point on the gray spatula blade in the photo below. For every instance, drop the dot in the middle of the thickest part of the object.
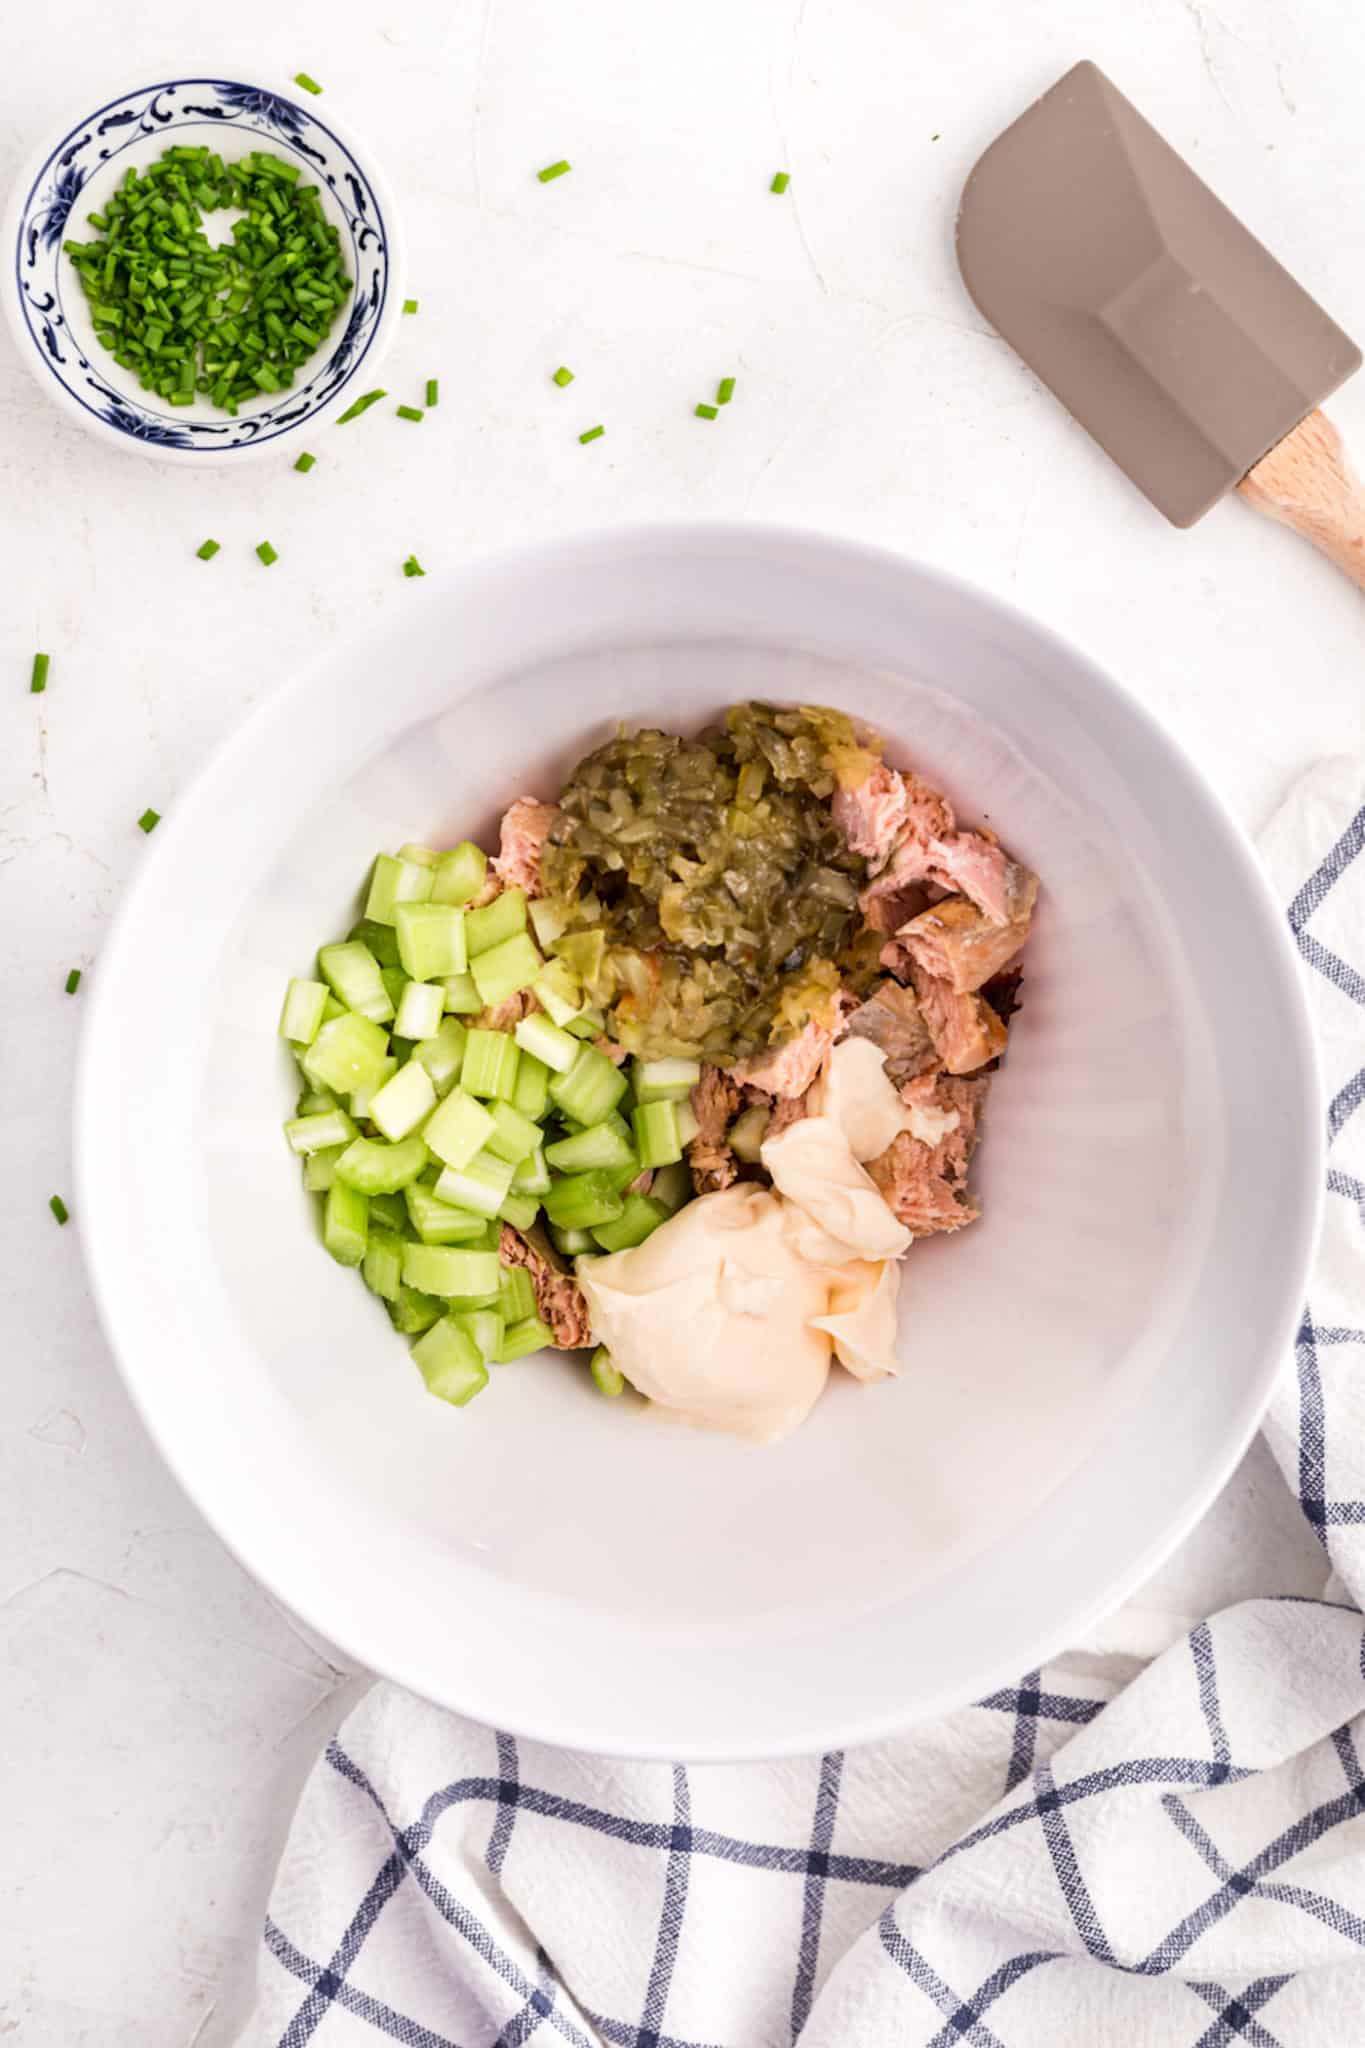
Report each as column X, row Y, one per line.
column 1171, row 334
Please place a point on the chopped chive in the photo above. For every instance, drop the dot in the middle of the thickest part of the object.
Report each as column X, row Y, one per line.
column 267, row 553
column 725, row 390
column 433, row 393
column 308, row 84
column 207, row 549
column 554, row 170
column 149, row 820
column 706, row 412
column 305, row 462
column 361, row 405
column 409, row 412
column 59, row 1209
column 562, row 377
column 409, row 305
column 38, row 681
column 592, row 433
column 780, row 182
column 73, row 981
column 412, row 567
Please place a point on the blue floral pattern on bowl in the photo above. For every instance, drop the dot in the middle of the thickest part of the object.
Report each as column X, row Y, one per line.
column 47, row 285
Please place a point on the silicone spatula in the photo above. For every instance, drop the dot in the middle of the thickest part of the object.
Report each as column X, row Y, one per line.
column 1169, row 332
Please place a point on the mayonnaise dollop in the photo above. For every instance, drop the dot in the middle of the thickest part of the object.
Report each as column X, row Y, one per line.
column 726, row 1315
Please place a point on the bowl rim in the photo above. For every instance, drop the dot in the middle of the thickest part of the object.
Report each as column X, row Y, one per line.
column 480, row 1699
column 26, row 345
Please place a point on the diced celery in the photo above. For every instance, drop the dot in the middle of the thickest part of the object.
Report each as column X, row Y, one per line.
column 582, row 1201
column 483, row 1185
column 531, row 1093
column 437, row 1222
column 470, row 1304
column 459, row 874
column 314, row 1100
column 505, row 969
column 559, row 992
column 572, row 1243
column 394, row 882
column 425, row 856
column 485, row 1327
column 381, row 939
column 347, row 1051
column 687, row 1124
column 514, row 1136
column 345, row 1223
column 383, row 1264
column 606, row 1144
column 745, row 1135
column 364, row 1095
column 672, row 1186
column 588, row 1023
column 414, row 1312
column 591, row 1089
column 302, row 1012
column 449, row 1361
column 420, row 1010
column 546, row 1042
column 656, row 1133
column 640, row 1216
column 395, row 981
column 389, row 1213
column 516, row 1295
column 443, row 1055
column 520, row 1339
column 607, row 1377
column 548, row 920
column 665, row 1080
column 352, row 973
column 619, row 1178
column 520, row 1211
column 378, row 1168
column 532, row 1176
column 449, row 1269
column 461, row 995
column 490, row 1065
column 501, row 919
column 320, row 1169
column 404, row 1102
column 431, row 939
column 319, row 1133
column 332, row 1008
column 458, row 1128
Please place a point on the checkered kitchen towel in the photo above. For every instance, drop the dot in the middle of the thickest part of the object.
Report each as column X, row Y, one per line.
column 1178, row 1860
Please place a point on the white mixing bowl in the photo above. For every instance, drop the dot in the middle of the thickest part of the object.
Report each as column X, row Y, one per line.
column 1082, row 1369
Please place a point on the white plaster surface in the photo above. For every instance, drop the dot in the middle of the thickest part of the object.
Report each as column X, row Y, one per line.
column 157, row 1711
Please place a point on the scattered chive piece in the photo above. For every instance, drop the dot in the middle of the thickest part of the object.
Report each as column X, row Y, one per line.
column 149, row 820
column 706, row 412
column 59, row 1209
column 409, row 412
column 554, row 170
column 412, row 567
column 73, row 981
column 725, row 390
column 780, row 182
column 409, row 305
column 433, row 393
column 267, row 553
column 207, row 549
column 592, row 433
column 361, row 405
column 305, row 463
column 308, row 84
column 562, row 377
column 41, row 664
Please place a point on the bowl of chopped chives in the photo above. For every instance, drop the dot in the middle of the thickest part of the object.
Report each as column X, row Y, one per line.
column 203, row 267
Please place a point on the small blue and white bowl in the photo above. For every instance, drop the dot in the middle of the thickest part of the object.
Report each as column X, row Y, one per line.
column 49, row 314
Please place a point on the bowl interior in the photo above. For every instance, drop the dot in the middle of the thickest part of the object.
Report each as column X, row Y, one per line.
column 575, row 1568
column 76, row 178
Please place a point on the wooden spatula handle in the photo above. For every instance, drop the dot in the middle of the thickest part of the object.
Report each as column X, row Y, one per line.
column 1307, row 483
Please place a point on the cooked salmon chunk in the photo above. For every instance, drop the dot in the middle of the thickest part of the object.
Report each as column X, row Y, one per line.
column 924, row 1179
column 966, row 1031
column 559, row 1298
column 715, row 1104
column 524, row 830
column 957, row 942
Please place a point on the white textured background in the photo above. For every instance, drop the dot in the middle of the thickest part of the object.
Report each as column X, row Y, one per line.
column 156, row 1709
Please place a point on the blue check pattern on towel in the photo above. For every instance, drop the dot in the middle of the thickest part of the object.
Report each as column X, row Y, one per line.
column 1177, row 1861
